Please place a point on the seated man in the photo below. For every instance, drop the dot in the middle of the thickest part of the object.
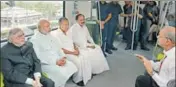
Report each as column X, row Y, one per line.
column 73, row 53
column 53, row 60
column 165, row 67
column 81, row 37
column 20, row 65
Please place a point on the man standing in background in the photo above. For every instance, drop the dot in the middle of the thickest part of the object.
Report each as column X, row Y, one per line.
column 105, row 17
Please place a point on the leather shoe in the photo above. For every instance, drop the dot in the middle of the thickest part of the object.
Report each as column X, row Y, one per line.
column 108, row 51
column 134, row 48
column 93, row 75
column 114, row 48
column 145, row 48
column 81, row 83
column 105, row 54
column 128, row 48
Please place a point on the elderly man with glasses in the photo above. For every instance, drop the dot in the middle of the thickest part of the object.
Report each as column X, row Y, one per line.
column 20, row 65
column 165, row 67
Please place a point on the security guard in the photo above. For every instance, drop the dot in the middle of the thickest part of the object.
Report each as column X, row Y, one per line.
column 115, row 10
column 105, row 17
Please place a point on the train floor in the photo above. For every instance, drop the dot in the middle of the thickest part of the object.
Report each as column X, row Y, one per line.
column 124, row 68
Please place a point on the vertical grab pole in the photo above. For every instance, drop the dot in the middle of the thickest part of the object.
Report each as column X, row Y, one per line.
column 99, row 16
column 166, row 8
column 138, row 2
column 161, row 20
column 137, row 19
column 134, row 24
column 131, row 25
column 161, row 11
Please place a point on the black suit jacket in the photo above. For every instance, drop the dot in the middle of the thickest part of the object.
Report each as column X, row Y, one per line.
column 19, row 63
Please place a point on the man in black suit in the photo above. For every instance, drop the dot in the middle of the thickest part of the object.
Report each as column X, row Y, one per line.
column 20, row 65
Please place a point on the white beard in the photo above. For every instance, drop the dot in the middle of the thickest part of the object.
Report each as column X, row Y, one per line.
column 45, row 33
column 19, row 45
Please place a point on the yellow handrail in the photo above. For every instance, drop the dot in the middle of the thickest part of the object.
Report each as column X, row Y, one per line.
column 2, row 78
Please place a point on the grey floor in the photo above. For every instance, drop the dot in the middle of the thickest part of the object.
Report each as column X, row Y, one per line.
column 124, row 68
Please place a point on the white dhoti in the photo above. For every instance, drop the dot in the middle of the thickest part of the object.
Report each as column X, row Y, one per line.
column 49, row 52
column 83, row 64
column 81, row 38
column 59, row 74
column 84, row 68
column 98, row 62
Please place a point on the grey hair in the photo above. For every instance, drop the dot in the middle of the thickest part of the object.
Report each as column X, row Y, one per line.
column 171, row 36
column 62, row 19
column 12, row 32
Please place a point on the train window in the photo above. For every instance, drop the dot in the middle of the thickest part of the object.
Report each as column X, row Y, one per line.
column 25, row 14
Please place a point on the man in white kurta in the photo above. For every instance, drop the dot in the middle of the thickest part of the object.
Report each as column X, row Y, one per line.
column 83, row 64
column 81, row 37
column 50, row 53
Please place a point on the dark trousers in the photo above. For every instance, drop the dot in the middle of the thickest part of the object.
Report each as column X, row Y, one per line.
column 128, row 38
column 145, row 81
column 129, row 34
column 46, row 82
column 145, row 31
column 111, row 33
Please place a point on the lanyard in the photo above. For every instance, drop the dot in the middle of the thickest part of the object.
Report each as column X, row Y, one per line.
column 162, row 63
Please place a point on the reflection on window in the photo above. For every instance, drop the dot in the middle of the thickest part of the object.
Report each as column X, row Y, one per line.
column 26, row 14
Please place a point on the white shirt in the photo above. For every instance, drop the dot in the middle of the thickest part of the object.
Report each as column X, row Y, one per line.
column 84, row 66
column 47, row 48
column 81, row 35
column 65, row 41
column 167, row 71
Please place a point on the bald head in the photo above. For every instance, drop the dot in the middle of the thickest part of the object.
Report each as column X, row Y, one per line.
column 168, row 29
column 42, row 22
column 169, row 32
column 44, row 26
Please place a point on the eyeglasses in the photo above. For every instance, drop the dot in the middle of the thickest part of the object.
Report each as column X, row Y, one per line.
column 160, row 37
column 20, row 36
column 164, row 37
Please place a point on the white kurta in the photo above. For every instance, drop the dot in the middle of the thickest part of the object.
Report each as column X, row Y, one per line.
column 49, row 51
column 80, row 36
column 83, row 64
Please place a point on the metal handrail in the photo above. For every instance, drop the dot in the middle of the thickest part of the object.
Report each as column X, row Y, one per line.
column 99, row 15
column 135, row 21
column 160, row 25
column 162, row 20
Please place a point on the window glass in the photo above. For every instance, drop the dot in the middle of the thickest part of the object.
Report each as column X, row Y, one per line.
column 26, row 14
